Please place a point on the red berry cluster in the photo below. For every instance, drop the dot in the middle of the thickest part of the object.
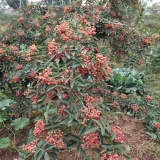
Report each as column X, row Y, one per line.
column 122, row 96
column 65, row 32
column 90, row 112
column 119, row 134
column 68, row 9
column 56, row 139
column 15, row 79
column 98, row 70
column 148, row 98
column 135, row 108
column 112, row 157
column 30, row 147
column 88, row 31
column 39, row 129
column 62, row 111
column 157, row 125
column 90, row 140
column 19, row 66
column 115, row 104
column 30, row 52
column 43, row 77
column 52, row 46
column 13, row 49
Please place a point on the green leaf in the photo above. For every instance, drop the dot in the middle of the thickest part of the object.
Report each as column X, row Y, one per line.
column 59, row 93
column 46, row 156
column 101, row 126
column 19, row 123
column 107, row 146
column 67, row 55
column 117, row 145
column 5, row 103
column 4, row 143
column 72, row 83
column 90, row 129
column 114, row 136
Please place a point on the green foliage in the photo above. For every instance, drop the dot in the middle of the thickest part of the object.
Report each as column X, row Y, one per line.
column 127, row 81
column 4, row 143
column 20, row 123
column 151, row 118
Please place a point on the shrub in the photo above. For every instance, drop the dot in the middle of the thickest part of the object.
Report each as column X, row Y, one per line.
column 53, row 63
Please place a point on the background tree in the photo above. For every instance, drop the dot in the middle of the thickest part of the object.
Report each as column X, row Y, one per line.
column 58, row 2
column 15, row 4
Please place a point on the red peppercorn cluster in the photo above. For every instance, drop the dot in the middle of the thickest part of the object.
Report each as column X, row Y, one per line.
column 115, row 104
column 30, row 147
column 34, row 99
column 157, row 125
column 56, row 139
column 122, row 96
column 68, row 9
column 15, row 79
column 13, row 49
column 119, row 134
column 30, row 52
column 48, row 29
column 19, row 66
column 52, row 46
column 65, row 32
column 148, row 98
column 135, row 108
column 90, row 112
column 90, row 140
column 88, row 31
column 39, row 129
column 43, row 77
column 112, row 157
column 98, row 70
column 62, row 111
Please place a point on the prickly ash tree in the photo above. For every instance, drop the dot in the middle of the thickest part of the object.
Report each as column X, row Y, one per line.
column 52, row 61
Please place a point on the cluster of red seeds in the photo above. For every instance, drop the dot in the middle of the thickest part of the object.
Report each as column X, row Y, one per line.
column 135, row 108
column 157, row 125
column 52, row 46
column 2, row 51
column 15, row 79
column 115, row 104
column 43, row 77
column 39, row 129
column 62, row 111
column 56, row 139
column 119, row 134
column 48, row 29
column 13, row 49
column 90, row 140
column 122, row 96
column 112, row 157
column 30, row 52
column 68, row 9
column 148, row 98
column 65, row 32
column 89, row 111
column 30, row 147
column 88, row 31
column 19, row 66
column 99, row 69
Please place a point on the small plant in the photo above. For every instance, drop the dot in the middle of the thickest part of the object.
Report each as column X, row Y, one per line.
column 127, row 81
